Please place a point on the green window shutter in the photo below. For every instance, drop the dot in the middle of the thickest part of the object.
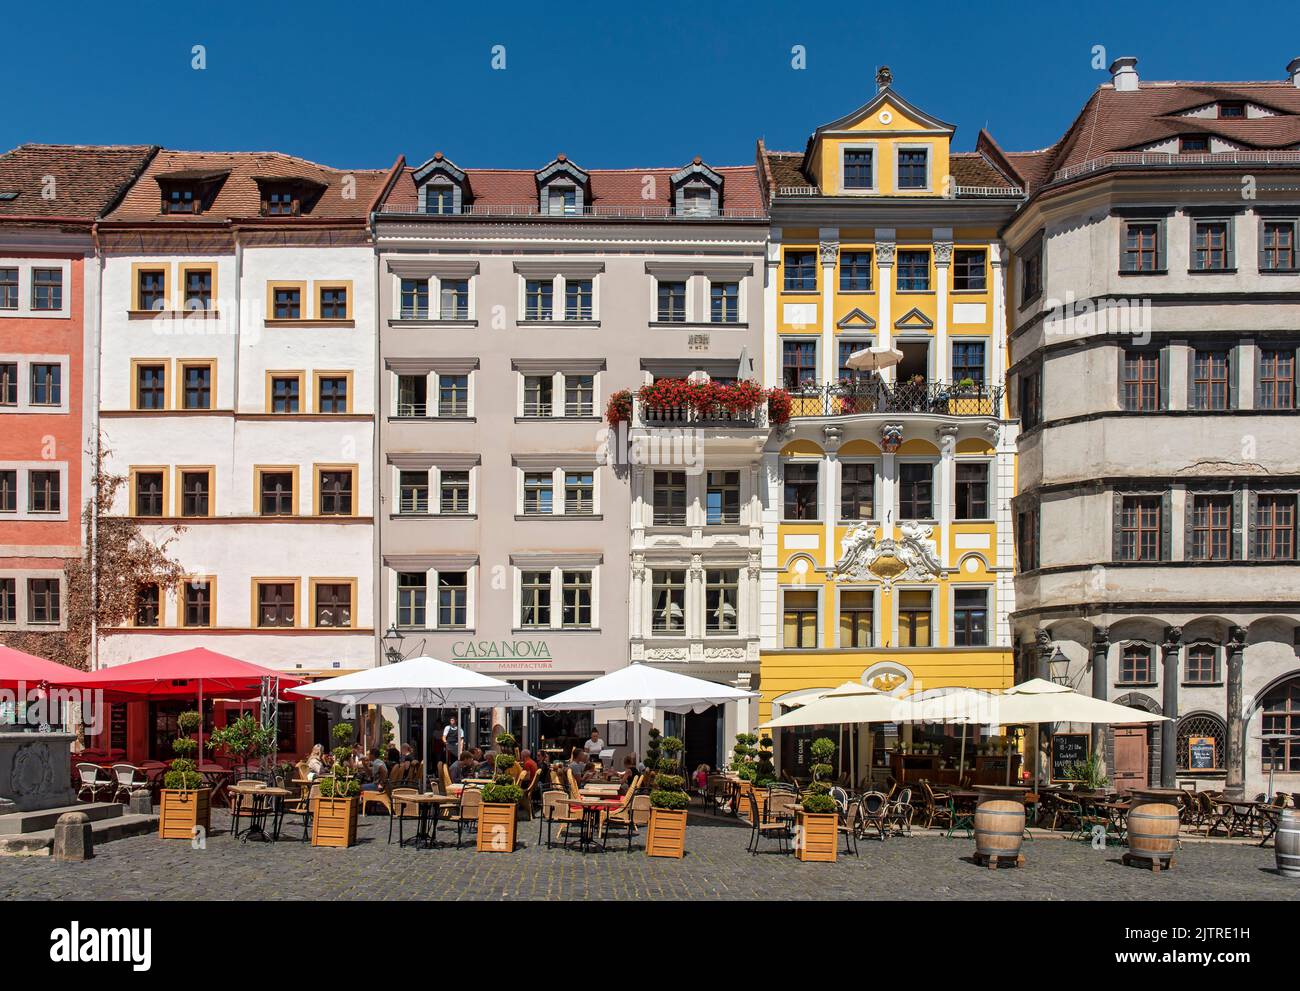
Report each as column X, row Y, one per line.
column 1125, row 259
column 1191, row 378
column 1038, row 534
column 1231, row 240
column 1119, row 380
column 1259, row 240
column 1236, row 526
column 1164, row 359
column 1116, row 539
column 1234, row 373
column 1162, row 248
column 1166, row 525
column 1259, row 373
column 1189, row 518
column 1252, row 514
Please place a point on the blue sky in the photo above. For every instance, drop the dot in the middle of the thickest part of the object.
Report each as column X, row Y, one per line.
column 612, row 85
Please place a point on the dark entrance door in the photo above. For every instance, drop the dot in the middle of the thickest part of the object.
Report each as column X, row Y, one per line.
column 1132, row 757
column 702, row 735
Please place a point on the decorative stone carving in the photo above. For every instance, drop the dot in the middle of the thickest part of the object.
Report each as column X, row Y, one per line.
column 36, row 770
column 942, row 253
column 884, row 77
column 891, row 437
column 667, row 654
column 833, row 435
column 724, row 653
column 1173, row 638
column 865, row 556
column 830, row 252
column 32, row 773
column 885, row 252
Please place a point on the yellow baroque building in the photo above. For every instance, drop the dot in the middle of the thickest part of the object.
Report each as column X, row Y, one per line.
column 889, row 554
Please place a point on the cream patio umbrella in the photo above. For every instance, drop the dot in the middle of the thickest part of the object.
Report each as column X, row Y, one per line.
column 874, row 359
column 850, row 703
column 952, row 706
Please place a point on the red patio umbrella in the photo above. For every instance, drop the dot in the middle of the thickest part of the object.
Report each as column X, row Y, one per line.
column 17, row 668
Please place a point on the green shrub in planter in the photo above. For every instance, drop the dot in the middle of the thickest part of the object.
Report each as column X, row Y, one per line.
column 669, row 788
column 244, row 740
column 341, row 782
column 817, row 796
column 743, row 756
column 764, row 769
column 503, row 790
column 507, row 743
column 183, row 773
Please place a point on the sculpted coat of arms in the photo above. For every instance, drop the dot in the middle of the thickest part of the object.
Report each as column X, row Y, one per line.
column 865, row 556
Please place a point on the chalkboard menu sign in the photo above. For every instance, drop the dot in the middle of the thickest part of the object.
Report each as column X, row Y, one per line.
column 117, row 726
column 1067, row 749
column 1200, row 753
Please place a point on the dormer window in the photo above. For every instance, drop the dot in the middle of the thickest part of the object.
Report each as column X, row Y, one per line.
column 697, row 201
column 1193, row 144
column 1232, row 111
column 562, row 189
column 281, row 201
column 913, row 168
column 697, row 191
column 181, row 199
column 440, row 198
column 443, row 189
column 186, row 192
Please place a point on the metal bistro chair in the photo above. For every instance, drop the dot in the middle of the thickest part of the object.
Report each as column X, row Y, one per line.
column 92, row 780
column 403, row 812
column 901, row 812
column 555, row 809
column 874, row 812
column 780, row 828
column 301, row 807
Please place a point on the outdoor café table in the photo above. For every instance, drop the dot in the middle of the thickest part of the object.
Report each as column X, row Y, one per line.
column 430, row 805
column 591, row 808
column 1116, row 815
column 602, row 791
column 963, row 817
column 215, row 776
column 1244, row 815
column 267, row 801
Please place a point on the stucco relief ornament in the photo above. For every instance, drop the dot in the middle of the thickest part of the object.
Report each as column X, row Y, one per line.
column 32, row 772
column 830, row 251
column 891, row 437
column 885, row 252
column 665, row 654
column 911, row 558
column 942, row 252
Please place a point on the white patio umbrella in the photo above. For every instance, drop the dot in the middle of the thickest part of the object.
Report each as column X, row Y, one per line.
column 955, row 706
column 639, row 685
column 422, row 681
column 850, row 703
column 874, row 359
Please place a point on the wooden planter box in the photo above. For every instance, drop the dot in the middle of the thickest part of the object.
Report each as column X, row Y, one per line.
column 819, row 836
column 496, row 827
column 181, row 811
column 334, row 821
column 667, row 834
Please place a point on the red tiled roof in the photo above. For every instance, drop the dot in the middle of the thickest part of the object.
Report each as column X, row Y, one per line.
column 87, row 179
column 784, row 170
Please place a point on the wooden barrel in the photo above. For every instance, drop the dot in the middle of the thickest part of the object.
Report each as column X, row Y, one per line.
column 999, row 827
column 1287, row 843
column 1152, row 829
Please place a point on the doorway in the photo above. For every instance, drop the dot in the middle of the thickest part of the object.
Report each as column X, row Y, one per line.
column 1132, row 757
column 702, row 739
column 916, row 360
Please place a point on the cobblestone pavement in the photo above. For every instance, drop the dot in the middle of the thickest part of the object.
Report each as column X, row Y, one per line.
column 717, row 866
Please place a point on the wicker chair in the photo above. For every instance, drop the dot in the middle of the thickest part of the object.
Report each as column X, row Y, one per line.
column 383, row 797
column 242, row 804
column 129, row 780
column 758, row 828
column 301, row 807
column 93, row 780
column 555, row 808
column 627, row 815
column 901, row 812
column 935, row 808
column 779, row 802
column 466, row 813
column 874, row 812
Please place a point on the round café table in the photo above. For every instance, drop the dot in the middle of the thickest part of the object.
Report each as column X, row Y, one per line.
column 591, row 808
column 430, row 806
column 267, row 802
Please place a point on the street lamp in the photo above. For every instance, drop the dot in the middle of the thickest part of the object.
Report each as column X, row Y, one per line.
column 1058, row 665
column 392, row 641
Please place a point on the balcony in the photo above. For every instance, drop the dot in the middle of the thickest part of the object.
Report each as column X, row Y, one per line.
column 858, row 398
column 1193, row 160
column 646, row 415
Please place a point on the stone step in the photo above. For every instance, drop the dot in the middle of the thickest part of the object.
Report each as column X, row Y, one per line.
column 39, row 844
column 17, row 823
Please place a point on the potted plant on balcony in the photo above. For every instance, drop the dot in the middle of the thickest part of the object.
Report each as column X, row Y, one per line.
column 668, row 801
column 244, row 740
column 334, row 812
column 778, row 407
column 819, row 820
column 500, row 806
column 185, row 801
column 619, row 408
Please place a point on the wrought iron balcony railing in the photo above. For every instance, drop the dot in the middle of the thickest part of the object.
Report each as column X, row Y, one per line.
column 852, row 398
column 671, row 416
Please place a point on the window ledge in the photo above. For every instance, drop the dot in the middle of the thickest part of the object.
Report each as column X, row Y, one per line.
column 698, row 324
column 1200, row 684
column 521, row 517
column 1279, row 271
column 433, row 419
column 1136, row 684
column 801, row 292
column 915, row 292
column 559, row 324
column 970, row 292
column 174, row 314
column 271, row 322
column 433, row 516
column 1152, row 271
column 857, row 292
column 421, row 322
column 1211, row 271
column 586, row 418
column 527, row 630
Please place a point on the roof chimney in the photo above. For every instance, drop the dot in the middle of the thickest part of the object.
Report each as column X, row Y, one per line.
column 1293, row 70
column 1124, row 74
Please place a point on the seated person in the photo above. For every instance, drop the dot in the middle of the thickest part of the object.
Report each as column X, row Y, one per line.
column 462, row 768
column 527, row 763
column 378, row 773
column 407, row 755
column 629, row 774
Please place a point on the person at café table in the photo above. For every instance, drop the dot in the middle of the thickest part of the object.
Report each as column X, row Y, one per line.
column 393, row 757
column 595, row 745
column 316, row 761
column 462, row 768
column 629, row 773
column 526, row 762
column 378, row 773
column 407, row 755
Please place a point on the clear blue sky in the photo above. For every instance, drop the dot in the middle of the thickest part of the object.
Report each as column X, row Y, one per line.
column 353, row 84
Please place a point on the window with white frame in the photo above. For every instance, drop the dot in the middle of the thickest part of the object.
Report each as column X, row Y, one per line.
column 670, row 301
column 33, row 490
column 721, row 600
column 413, row 492
column 535, row 599
column 913, row 167
column 724, row 302
column 669, row 498
column 412, row 599
column 539, row 491
column 41, row 289
column 539, row 395
column 579, row 395
column 453, row 492
column 857, row 617
column 453, row 394
column 412, row 396
column 576, row 598
column 668, row 601
column 970, row 617
column 722, row 498
column 453, row 600
column 857, row 169
column 34, row 383
column 915, row 617
column 800, row 618
column 579, row 492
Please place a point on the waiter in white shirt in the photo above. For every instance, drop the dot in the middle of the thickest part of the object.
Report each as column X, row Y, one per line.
column 595, row 745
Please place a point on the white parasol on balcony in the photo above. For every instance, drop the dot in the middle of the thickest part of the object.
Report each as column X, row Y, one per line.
column 874, row 359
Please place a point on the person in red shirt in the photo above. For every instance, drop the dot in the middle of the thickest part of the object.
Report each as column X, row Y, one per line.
column 527, row 763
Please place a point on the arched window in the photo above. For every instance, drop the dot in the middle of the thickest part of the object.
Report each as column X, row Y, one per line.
column 1202, row 664
column 1200, row 726
column 1281, row 729
column 1135, row 664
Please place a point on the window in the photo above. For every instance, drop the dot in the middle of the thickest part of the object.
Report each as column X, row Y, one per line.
column 1135, row 664
column 1275, row 526
column 970, row 617
column 275, row 604
column 913, row 271
column 150, row 386
column 1140, row 250
column 668, row 609
column 1277, row 246
column 538, row 294
column 1031, row 271
column 1277, row 383
column 413, row 492
column 280, row 202
column 1211, row 246
column 152, row 293
column 857, row 490
column 914, row 618
column 857, row 618
column 333, row 303
column 579, row 395
column 1202, row 665
column 968, row 362
column 197, row 286
column 1193, row 144
column 972, row 490
column 336, row 492
column 1281, row 727
column 276, row 489
column 1141, row 528
column 453, row 395
column 562, row 201
column 412, row 591
column 47, row 290
column 724, row 302
column 579, row 493
column 196, row 386
column 576, row 592
column 672, row 302
column 415, row 299
column 538, row 392
column 453, row 493
column 46, row 385
column 181, row 199
column 332, row 394
column 968, row 270
column 721, row 600
column 800, row 271
column 43, row 495
column 578, row 300
column 453, row 299
column 8, row 288
column 333, row 605
column 1027, row 538
column 916, row 490
column 286, row 303
column 285, row 393
column 1140, row 381
column 43, row 600
column 440, row 198
column 538, row 486
column 412, row 395
column 799, row 620
column 1232, row 110
column 844, row 373
column 8, row 600
column 1211, row 373
column 8, row 490
column 670, row 498
column 535, row 599
column 858, row 171
column 697, row 201
column 149, row 493
column 855, row 271
column 196, row 493
column 722, row 498
column 913, row 168
column 147, row 612
column 8, row 383
column 453, row 600
column 799, row 364
column 801, row 489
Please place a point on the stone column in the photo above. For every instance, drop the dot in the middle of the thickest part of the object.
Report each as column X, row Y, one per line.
column 942, row 261
column 1100, row 678
column 829, row 251
column 1170, row 647
column 946, row 434
column 1235, row 783
column 771, row 335
column 885, row 246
